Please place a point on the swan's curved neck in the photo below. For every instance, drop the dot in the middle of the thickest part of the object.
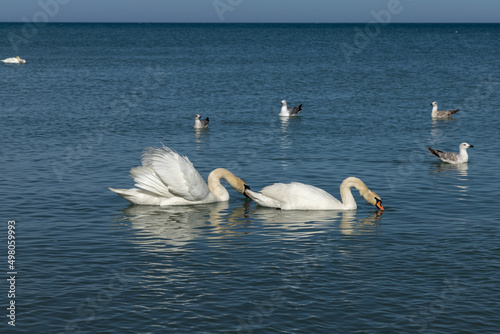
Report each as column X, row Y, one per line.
column 346, row 194
column 218, row 189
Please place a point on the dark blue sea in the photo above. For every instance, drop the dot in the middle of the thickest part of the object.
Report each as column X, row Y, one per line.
column 91, row 97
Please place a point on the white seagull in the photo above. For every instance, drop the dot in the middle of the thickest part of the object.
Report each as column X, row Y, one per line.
column 452, row 157
column 167, row 178
column 14, row 60
column 285, row 111
column 441, row 113
column 300, row 196
column 200, row 123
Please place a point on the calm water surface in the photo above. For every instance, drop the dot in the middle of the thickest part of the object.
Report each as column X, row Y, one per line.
column 76, row 117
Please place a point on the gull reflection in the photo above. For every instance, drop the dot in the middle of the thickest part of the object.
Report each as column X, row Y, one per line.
column 446, row 168
column 200, row 136
column 437, row 121
column 458, row 171
column 449, row 124
column 284, row 124
column 284, row 142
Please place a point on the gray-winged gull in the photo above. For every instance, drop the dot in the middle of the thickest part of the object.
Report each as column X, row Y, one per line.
column 200, row 123
column 285, row 111
column 441, row 113
column 452, row 157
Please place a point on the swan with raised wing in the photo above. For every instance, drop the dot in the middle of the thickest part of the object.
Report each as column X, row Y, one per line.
column 300, row 196
column 167, row 178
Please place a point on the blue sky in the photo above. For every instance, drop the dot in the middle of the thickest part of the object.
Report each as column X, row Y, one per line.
column 229, row 11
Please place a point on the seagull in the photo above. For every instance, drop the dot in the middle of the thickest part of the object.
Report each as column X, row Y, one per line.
column 441, row 113
column 200, row 123
column 285, row 111
column 452, row 157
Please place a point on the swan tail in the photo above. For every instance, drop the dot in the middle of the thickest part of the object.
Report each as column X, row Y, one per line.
column 122, row 192
column 137, row 196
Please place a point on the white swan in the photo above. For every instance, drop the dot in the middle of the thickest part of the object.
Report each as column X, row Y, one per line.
column 285, row 111
column 299, row 196
column 441, row 113
column 200, row 123
column 452, row 157
column 167, row 178
column 14, row 60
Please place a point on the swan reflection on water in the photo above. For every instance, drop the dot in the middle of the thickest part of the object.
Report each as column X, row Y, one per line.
column 173, row 228
column 295, row 220
column 177, row 226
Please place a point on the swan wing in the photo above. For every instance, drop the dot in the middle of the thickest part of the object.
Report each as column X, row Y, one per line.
column 146, row 179
column 171, row 174
column 300, row 196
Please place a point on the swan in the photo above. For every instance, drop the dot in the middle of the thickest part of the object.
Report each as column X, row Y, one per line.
column 285, row 111
column 167, row 178
column 452, row 157
column 300, row 196
column 200, row 123
column 14, row 60
column 441, row 113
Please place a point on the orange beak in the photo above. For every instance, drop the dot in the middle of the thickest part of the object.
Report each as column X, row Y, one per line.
column 379, row 205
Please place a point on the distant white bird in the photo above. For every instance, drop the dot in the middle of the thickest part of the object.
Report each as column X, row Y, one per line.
column 14, row 60
column 200, row 123
column 300, row 196
column 285, row 111
column 441, row 113
column 167, row 178
column 452, row 157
